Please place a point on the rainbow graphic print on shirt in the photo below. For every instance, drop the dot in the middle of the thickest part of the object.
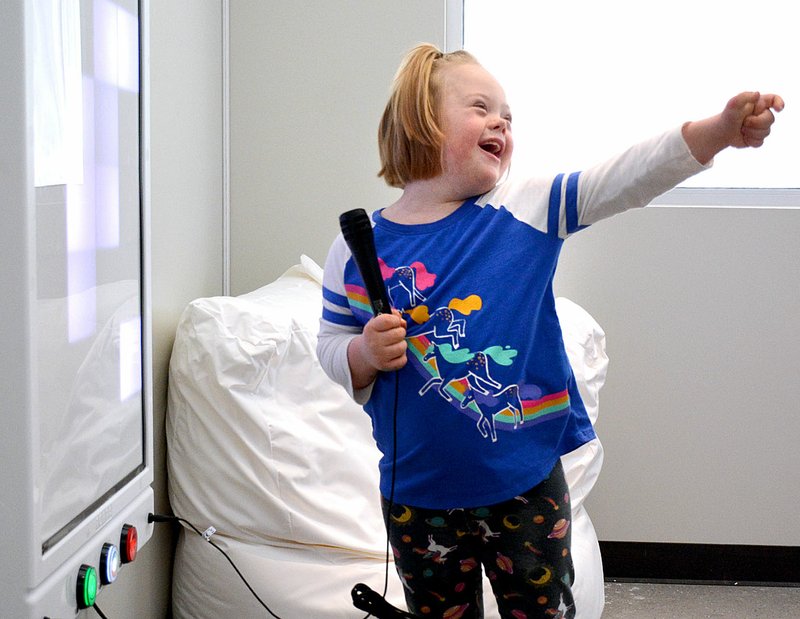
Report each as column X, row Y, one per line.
column 438, row 350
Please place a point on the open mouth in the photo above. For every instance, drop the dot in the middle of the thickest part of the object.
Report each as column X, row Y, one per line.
column 493, row 147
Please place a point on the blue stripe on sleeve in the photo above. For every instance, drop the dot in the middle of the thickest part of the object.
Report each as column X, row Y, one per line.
column 334, row 298
column 555, row 206
column 572, row 203
column 346, row 320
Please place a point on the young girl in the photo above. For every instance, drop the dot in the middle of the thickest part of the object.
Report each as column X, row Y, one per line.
column 467, row 382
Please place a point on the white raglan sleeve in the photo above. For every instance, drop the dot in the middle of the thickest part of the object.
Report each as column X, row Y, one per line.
column 566, row 203
column 631, row 179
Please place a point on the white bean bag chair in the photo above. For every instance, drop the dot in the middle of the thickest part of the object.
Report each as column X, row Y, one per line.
column 281, row 462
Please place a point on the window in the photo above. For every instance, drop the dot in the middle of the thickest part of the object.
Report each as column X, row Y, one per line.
column 585, row 79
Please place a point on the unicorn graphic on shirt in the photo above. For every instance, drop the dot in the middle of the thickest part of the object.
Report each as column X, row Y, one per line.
column 490, row 405
column 457, row 365
column 404, row 284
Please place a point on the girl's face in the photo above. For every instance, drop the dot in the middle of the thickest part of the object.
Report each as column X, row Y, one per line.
column 476, row 121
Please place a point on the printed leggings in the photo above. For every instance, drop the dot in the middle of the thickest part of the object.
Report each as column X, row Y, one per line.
column 523, row 545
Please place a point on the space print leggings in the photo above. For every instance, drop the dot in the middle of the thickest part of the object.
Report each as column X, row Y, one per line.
column 523, row 545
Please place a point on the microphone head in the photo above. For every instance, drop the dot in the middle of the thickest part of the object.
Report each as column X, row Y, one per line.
column 354, row 223
column 357, row 232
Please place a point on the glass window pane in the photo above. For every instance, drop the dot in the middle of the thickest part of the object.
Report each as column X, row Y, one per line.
column 585, row 79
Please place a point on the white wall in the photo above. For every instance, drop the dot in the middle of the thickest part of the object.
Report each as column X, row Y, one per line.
column 699, row 417
column 186, row 202
column 309, row 81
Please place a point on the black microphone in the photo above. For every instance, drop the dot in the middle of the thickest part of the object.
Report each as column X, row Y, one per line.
column 357, row 232
column 367, row 600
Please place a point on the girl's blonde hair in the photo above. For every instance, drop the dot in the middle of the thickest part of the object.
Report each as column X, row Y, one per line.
column 409, row 135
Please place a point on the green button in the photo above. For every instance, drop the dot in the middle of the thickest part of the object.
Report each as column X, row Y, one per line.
column 87, row 586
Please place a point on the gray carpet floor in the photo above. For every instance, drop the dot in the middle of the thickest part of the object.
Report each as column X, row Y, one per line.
column 625, row 600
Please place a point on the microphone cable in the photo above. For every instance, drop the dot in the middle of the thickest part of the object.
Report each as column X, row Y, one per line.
column 365, row 598
column 206, row 535
column 391, row 486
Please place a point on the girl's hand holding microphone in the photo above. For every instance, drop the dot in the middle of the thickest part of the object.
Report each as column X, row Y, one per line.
column 381, row 347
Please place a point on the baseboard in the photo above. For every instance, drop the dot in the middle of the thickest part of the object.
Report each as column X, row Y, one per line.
column 701, row 563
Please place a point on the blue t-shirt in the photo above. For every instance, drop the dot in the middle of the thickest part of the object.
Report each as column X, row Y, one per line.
column 487, row 402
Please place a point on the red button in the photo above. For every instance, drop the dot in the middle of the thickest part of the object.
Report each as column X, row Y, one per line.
column 129, row 543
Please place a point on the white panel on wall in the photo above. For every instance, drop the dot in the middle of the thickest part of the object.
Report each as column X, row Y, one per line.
column 699, row 417
column 308, row 85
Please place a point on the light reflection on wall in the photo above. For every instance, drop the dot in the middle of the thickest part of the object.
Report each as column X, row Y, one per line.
column 93, row 206
column 81, row 260
column 116, row 46
column 57, row 112
column 88, row 265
